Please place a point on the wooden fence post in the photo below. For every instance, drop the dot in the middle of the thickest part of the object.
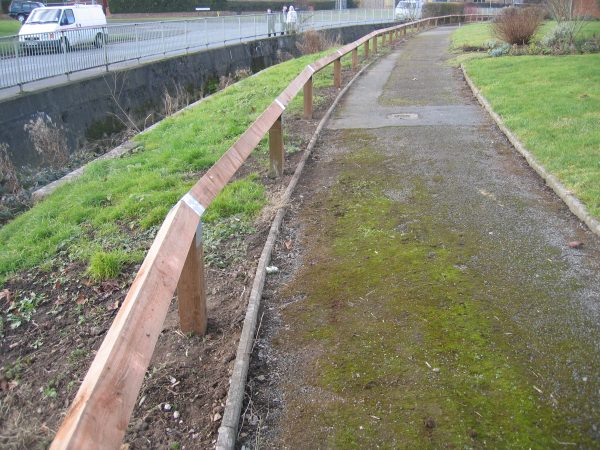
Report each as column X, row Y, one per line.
column 191, row 289
column 337, row 73
column 375, row 44
column 366, row 49
column 308, row 99
column 355, row 59
column 383, row 40
column 276, row 149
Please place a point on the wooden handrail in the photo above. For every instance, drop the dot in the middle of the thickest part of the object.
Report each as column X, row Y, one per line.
column 99, row 414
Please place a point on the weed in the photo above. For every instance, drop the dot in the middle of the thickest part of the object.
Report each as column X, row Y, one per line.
column 36, row 344
column 314, row 41
column 106, row 265
column 21, row 311
column 174, row 445
column 238, row 75
column 15, row 370
column 49, row 141
column 77, row 355
column 175, row 101
column 9, row 182
column 50, row 392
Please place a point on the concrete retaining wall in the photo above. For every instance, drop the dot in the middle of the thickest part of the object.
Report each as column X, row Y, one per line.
column 86, row 109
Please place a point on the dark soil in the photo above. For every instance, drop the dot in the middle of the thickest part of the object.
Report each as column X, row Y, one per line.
column 44, row 360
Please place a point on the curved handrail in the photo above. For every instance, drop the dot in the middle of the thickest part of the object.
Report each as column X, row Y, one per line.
column 99, row 414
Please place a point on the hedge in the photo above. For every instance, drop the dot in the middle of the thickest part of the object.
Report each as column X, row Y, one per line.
column 159, row 6
column 5, row 5
column 442, row 9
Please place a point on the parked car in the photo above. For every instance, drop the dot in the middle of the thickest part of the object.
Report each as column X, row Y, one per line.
column 20, row 9
column 64, row 27
column 409, row 10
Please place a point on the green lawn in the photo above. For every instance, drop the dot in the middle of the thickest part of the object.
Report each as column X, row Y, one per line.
column 479, row 34
column 552, row 103
column 98, row 212
column 9, row 27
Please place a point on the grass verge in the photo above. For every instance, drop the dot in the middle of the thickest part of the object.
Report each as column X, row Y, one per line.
column 9, row 27
column 553, row 106
column 479, row 35
column 115, row 199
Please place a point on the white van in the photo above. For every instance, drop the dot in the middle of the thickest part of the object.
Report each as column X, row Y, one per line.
column 64, row 27
column 409, row 10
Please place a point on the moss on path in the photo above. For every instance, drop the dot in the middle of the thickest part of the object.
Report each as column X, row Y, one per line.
column 434, row 308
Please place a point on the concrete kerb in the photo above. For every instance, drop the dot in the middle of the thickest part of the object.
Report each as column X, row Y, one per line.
column 573, row 203
column 228, row 429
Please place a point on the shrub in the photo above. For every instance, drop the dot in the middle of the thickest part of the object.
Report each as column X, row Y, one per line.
column 517, row 25
column 501, row 50
column 442, row 9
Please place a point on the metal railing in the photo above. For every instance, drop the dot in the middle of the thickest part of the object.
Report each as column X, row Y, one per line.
column 35, row 57
column 99, row 413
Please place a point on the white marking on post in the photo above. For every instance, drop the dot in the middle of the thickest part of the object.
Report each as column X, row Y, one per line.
column 193, row 204
column 280, row 104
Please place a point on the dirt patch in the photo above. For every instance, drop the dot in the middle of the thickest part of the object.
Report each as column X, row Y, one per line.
column 45, row 353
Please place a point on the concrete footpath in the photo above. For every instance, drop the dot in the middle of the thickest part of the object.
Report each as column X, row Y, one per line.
column 428, row 297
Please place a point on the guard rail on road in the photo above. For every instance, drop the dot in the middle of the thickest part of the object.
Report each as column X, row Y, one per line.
column 100, row 412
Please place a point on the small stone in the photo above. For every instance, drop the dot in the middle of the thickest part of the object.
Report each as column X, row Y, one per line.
column 575, row 244
column 584, row 379
column 261, row 378
column 217, row 417
column 167, row 407
column 272, row 269
column 436, row 369
column 176, row 415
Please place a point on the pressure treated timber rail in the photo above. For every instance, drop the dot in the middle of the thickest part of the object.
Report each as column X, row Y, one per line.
column 99, row 414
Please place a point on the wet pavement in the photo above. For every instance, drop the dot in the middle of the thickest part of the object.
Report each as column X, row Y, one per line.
column 435, row 302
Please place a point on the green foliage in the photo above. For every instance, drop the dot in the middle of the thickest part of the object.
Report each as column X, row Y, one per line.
column 50, row 392
column 21, row 311
column 106, row 265
column 551, row 103
column 442, row 9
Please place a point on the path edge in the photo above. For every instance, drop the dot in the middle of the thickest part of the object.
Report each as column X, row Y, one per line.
column 227, row 436
column 572, row 202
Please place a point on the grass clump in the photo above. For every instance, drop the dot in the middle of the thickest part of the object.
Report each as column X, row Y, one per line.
column 106, row 265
